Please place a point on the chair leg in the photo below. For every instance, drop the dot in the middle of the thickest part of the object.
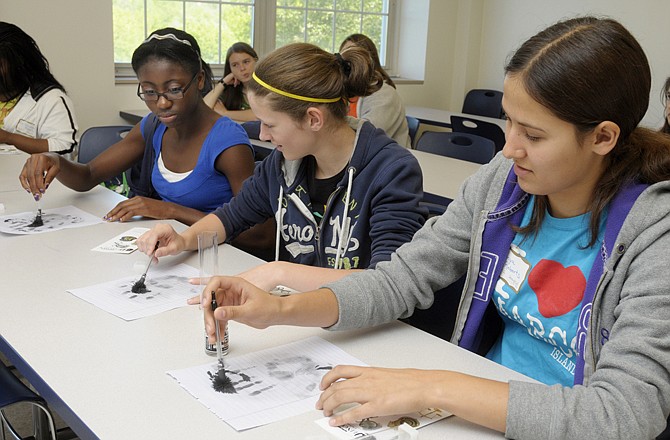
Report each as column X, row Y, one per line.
column 43, row 423
column 9, row 426
column 2, row 427
column 44, row 426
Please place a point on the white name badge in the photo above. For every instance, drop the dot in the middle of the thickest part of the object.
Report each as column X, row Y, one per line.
column 26, row 128
column 516, row 268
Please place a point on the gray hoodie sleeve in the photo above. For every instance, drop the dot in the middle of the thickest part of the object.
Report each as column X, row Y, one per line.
column 436, row 257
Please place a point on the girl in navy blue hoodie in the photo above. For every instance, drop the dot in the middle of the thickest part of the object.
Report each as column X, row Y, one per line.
column 343, row 194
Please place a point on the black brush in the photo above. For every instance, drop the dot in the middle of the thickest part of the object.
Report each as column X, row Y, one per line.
column 38, row 218
column 140, row 286
column 220, row 381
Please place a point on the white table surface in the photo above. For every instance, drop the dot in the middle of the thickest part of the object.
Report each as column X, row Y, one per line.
column 435, row 116
column 106, row 376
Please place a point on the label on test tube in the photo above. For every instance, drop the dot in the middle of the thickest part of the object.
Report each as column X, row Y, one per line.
column 210, row 349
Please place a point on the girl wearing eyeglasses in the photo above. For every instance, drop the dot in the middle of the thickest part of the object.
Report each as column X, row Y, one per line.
column 344, row 194
column 186, row 159
column 228, row 97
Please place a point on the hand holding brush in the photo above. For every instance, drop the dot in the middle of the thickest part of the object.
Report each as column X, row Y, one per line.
column 140, row 286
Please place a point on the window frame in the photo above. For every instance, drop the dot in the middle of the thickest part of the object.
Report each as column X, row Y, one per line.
column 264, row 36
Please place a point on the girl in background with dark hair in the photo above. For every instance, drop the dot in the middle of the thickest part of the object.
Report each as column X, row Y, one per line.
column 344, row 194
column 564, row 239
column 665, row 97
column 384, row 108
column 228, row 97
column 35, row 113
column 189, row 159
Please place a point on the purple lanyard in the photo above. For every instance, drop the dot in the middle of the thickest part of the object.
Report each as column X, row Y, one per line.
column 619, row 208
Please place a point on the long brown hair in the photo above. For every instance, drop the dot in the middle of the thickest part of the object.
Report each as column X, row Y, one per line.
column 306, row 70
column 574, row 68
column 664, row 99
column 233, row 97
column 366, row 43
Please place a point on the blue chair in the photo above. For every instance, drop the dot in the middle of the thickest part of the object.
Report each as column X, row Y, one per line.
column 485, row 129
column 461, row 146
column 13, row 391
column 483, row 102
column 94, row 141
column 413, row 125
column 253, row 129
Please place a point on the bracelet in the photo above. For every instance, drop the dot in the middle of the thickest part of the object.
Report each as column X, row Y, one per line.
column 221, row 81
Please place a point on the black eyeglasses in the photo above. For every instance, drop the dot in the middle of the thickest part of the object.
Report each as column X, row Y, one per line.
column 171, row 95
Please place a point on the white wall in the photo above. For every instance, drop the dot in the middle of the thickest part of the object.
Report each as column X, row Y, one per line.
column 468, row 42
column 76, row 38
column 410, row 33
column 506, row 24
column 441, row 48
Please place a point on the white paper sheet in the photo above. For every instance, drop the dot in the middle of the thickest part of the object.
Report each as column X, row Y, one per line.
column 54, row 219
column 168, row 289
column 271, row 384
column 8, row 149
column 124, row 243
column 382, row 428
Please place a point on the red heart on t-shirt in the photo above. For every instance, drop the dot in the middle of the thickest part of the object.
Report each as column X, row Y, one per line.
column 558, row 289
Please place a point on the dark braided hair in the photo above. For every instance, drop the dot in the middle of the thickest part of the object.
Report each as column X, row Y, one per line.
column 22, row 65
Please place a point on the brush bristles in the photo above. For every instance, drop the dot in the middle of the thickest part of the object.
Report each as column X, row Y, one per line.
column 221, row 382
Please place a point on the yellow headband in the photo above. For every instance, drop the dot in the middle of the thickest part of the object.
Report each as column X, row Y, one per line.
column 291, row 95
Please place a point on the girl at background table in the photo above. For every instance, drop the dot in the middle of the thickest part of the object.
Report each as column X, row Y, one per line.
column 35, row 113
column 666, row 100
column 344, row 194
column 384, row 108
column 228, row 97
column 565, row 240
column 188, row 159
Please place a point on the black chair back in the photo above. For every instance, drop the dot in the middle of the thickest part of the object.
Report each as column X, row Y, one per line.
column 95, row 140
column 485, row 129
column 483, row 102
column 461, row 146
